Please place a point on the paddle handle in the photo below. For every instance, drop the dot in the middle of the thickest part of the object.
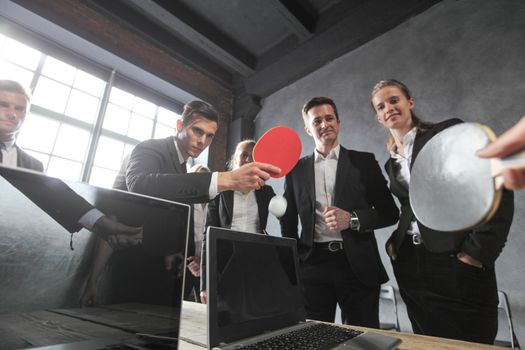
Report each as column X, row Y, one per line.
column 514, row 161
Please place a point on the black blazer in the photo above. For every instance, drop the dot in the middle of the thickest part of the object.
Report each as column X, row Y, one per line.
column 154, row 170
column 484, row 243
column 26, row 161
column 360, row 187
column 220, row 213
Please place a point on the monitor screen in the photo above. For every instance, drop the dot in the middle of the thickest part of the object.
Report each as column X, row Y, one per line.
column 253, row 284
column 44, row 279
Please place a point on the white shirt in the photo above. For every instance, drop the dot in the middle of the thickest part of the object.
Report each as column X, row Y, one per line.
column 9, row 154
column 402, row 171
column 325, row 170
column 199, row 224
column 212, row 190
column 245, row 215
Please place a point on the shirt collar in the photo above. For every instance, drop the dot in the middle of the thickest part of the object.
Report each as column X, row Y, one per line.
column 179, row 153
column 408, row 141
column 333, row 154
column 9, row 144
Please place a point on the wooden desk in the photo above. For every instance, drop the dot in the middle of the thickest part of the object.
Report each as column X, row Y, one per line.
column 193, row 326
column 121, row 322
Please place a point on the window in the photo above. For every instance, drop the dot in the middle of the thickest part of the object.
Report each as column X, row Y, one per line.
column 67, row 108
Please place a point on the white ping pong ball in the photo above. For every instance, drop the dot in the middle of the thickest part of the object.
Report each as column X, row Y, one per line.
column 277, row 206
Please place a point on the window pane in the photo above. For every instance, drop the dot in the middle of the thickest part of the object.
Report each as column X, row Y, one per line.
column 144, row 107
column 38, row 133
column 162, row 131
column 22, row 54
column 116, row 119
column 71, row 142
column 109, row 153
column 127, row 151
column 64, row 169
column 89, row 83
column 14, row 72
column 51, row 95
column 140, row 128
column 167, row 117
column 59, row 70
column 102, row 177
column 82, row 106
column 44, row 158
column 121, row 98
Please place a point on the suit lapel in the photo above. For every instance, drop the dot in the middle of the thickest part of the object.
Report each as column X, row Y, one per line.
column 310, row 179
column 346, row 178
column 343, row 166
column 174, row 156
column 419, row 142
column 395, row 187
column 227, row 199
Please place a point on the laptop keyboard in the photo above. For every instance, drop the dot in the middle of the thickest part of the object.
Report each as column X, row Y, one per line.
column 315, row 336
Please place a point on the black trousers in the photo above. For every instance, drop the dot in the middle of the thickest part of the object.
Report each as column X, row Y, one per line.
column 328, row 280
column 446, row 297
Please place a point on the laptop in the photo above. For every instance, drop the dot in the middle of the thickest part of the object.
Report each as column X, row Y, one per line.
column 128, row 208
column 254, row 296
column 32, row 224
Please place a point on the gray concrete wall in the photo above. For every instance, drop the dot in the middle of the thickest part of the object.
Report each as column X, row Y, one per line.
column 460, row 58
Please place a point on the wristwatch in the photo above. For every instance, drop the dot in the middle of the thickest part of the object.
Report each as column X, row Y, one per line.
column 354, row 221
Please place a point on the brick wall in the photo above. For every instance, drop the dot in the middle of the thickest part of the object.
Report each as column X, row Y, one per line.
column 77, row 17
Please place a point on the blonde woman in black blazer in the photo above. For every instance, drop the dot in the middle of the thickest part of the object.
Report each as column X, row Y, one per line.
column 446, row 279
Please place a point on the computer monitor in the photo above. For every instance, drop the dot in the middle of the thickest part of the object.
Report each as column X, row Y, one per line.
column 39, row 270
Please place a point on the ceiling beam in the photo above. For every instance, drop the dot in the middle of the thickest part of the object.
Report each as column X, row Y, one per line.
column 202, row 42
column 346, row 35
column 297, row 26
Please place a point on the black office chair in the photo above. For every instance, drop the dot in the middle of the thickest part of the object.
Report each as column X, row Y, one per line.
column 388, row 295
column 505, row 306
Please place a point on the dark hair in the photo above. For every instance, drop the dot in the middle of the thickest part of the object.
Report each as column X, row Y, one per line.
column 16, row 87
column 421, row 126
column 318, row 101
column 201, row 108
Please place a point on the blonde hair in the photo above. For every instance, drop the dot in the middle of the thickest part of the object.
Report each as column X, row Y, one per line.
column 231, row 162
column 420, row 125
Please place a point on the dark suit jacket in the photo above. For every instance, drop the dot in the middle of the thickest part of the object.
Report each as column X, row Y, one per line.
column 484, row 243
column 359, row 187
column 154, row 170
column 220, row 214
column 26, row 161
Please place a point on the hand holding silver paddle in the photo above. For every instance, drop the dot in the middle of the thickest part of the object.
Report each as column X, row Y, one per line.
column 451, row 188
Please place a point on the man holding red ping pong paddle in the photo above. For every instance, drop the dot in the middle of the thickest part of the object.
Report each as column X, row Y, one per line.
column 340, row 197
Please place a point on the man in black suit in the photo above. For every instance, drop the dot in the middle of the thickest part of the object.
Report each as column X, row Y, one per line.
column 340, row 197
column 158, row 167
column 71, row 211
column 14, row 103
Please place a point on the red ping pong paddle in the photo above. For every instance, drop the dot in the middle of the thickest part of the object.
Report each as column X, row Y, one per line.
column 279, row 146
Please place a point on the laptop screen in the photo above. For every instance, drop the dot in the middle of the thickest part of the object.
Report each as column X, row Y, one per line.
column 253, row 285
column 135, row 292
